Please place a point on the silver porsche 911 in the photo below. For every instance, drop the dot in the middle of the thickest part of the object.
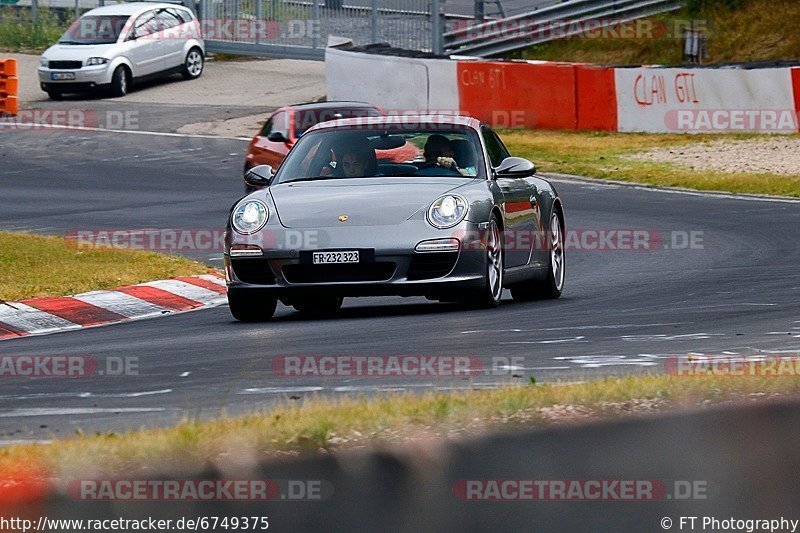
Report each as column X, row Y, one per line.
column 457, row 220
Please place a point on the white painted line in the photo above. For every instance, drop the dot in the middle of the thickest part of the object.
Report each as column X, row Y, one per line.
column 187, row 290
column 32, row 127
column 121, row 304
column 614, row 184
column 553, row 341
column 64, row 411
column 185, row 375
column 28, row 319
column 124, row 394
column 280, row 390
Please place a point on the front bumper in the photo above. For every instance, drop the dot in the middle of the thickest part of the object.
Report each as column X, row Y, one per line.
column 390, row 268
column 85, row 78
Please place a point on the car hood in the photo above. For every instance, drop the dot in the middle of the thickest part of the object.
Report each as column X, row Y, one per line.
column 365, row 201
column 77, row 52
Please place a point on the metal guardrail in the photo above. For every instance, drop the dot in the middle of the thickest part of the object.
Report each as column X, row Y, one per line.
column 547, row 24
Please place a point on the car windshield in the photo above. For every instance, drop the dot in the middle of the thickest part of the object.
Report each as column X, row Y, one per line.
column 307, row 118
column 379, row 151
column 104, row 29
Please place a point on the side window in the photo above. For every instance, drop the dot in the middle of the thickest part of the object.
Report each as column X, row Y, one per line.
column 267, row 129
column 497, row 151
column 280, row 122
column 167, row 19
column 183, row 15
column 146, row 24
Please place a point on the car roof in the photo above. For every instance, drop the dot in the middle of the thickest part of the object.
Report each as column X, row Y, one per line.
column 130, row 8
column 336, row 104
column 391, row 120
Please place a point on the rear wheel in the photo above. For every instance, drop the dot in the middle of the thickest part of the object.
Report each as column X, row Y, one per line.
column 119, row 82
column 326, row 305
column 251, row 306
column 193, row 64
column 551, row 286
column 491, row 292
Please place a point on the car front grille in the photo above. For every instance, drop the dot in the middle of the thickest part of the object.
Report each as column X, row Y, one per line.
column 378, row 271
column 65, row 65
column 255, row 271
column 431, row 265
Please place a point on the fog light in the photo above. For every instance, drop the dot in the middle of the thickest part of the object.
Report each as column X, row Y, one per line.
column 439, row 245
column 246, row 250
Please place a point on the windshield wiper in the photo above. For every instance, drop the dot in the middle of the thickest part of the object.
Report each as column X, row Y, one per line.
column 68, row 42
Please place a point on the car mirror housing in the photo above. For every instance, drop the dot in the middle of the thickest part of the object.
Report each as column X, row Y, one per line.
column 515, row 167
column 277, row 137
column 259, row 176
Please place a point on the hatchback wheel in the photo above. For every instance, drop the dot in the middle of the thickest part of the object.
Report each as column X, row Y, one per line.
column 119, row 82
column 193, row 65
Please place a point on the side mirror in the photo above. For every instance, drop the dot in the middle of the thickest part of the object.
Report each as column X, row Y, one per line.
column 515, row 167
column 277, row 137
column 259, row 176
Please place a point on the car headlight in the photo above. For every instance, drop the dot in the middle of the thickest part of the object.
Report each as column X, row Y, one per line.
column 249, row 216
column 43, row 62
column 96, row 61
column 447, row 211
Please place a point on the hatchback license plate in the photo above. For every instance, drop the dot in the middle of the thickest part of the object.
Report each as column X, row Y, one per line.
column 62, row 76
column 325, row 258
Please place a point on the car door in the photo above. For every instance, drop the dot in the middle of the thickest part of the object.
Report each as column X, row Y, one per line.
column 146, row 52
column 520, row 205
column 172, row 39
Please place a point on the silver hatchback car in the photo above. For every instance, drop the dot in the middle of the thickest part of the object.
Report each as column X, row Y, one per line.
column 113, row 46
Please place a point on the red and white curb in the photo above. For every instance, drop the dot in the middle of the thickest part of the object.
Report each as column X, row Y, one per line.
column 39, row 316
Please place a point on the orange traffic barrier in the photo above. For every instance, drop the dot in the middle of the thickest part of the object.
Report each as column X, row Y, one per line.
column 9, row 87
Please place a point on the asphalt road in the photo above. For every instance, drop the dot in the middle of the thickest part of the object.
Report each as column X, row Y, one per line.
column 735, row 291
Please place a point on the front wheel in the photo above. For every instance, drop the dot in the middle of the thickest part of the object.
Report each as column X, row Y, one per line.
column 119, row 82
column 251, row 306
column 55, row 95
column 193, row 64
column 551, row 286
column 491, row 292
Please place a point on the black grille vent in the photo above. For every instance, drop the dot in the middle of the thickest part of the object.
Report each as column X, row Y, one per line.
column 65, row 65
column 431, row 265
column 252, row 270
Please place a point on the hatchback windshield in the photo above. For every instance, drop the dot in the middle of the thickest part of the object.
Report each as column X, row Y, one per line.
column 375, row 151
column 104, row 29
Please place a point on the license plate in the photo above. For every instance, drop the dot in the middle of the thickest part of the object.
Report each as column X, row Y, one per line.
column 326, row 258
column 62, row 76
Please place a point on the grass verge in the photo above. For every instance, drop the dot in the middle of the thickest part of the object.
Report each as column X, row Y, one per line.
column 741, row 30
column 18, row 33
column 33, row 266
column 606, row 155
column 325, row 425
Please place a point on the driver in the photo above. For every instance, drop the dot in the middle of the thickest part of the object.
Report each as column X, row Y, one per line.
column 438, row 152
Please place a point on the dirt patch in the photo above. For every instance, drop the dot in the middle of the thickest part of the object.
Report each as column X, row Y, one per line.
column 774, row 155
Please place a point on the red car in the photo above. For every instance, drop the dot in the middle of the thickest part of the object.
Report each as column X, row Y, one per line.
column 287, row 124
